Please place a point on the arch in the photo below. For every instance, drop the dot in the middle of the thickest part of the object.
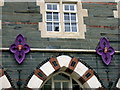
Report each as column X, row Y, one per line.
column 118, row 82
column 5, row 80
column 83, row 73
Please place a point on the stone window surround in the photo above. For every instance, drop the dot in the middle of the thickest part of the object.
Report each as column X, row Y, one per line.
column 117, row 12
column 1, row 4
column 0, row 24
column 81, row 26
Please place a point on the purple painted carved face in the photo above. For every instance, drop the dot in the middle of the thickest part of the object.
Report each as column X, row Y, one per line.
column 19, row 48
column 105, row 50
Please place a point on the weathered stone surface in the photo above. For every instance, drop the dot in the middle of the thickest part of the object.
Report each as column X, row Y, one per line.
column 98, row 14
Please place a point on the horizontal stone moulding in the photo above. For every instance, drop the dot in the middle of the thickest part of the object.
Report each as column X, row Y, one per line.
column 58, row 50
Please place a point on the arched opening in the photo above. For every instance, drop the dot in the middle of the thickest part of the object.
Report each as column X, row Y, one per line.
column 62, row 81
column 63, row 65
column 5, row 80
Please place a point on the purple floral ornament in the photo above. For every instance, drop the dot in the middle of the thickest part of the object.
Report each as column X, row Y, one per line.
column 19, row 48
column 105, row 50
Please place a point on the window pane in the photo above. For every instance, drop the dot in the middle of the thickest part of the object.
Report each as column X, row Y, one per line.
column 49, row 7
column 49, row 26
column 57, row 85
column 47, row 87
column 66, row 86
column 66, row 7
column 54, row 7
column 66, row 17
column 55, row 16
column 49, row 16
column 61, row 77
column 76, row 87
column 49, row 81
column 56, row 26
column 67, row 27
column 72, row 8
column 74, row 27
column 73, row 17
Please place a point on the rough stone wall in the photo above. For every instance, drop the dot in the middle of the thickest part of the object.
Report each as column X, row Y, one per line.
column 99, row 16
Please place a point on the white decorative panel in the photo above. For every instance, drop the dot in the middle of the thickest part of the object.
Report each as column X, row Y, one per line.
column 93, row 82
column 118, row 84
column 47, row 68
column 4, row 83
column 34, row 82
column 64, row 60
column 80, row 69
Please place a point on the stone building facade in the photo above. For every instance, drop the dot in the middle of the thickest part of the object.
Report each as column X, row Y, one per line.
column 63, row 36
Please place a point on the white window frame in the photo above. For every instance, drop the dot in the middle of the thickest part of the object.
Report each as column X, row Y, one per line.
column 70, row 81
column 75, row 7
column 75, row 11
column 61, row 82
column 52, row 11
column 52, row 4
